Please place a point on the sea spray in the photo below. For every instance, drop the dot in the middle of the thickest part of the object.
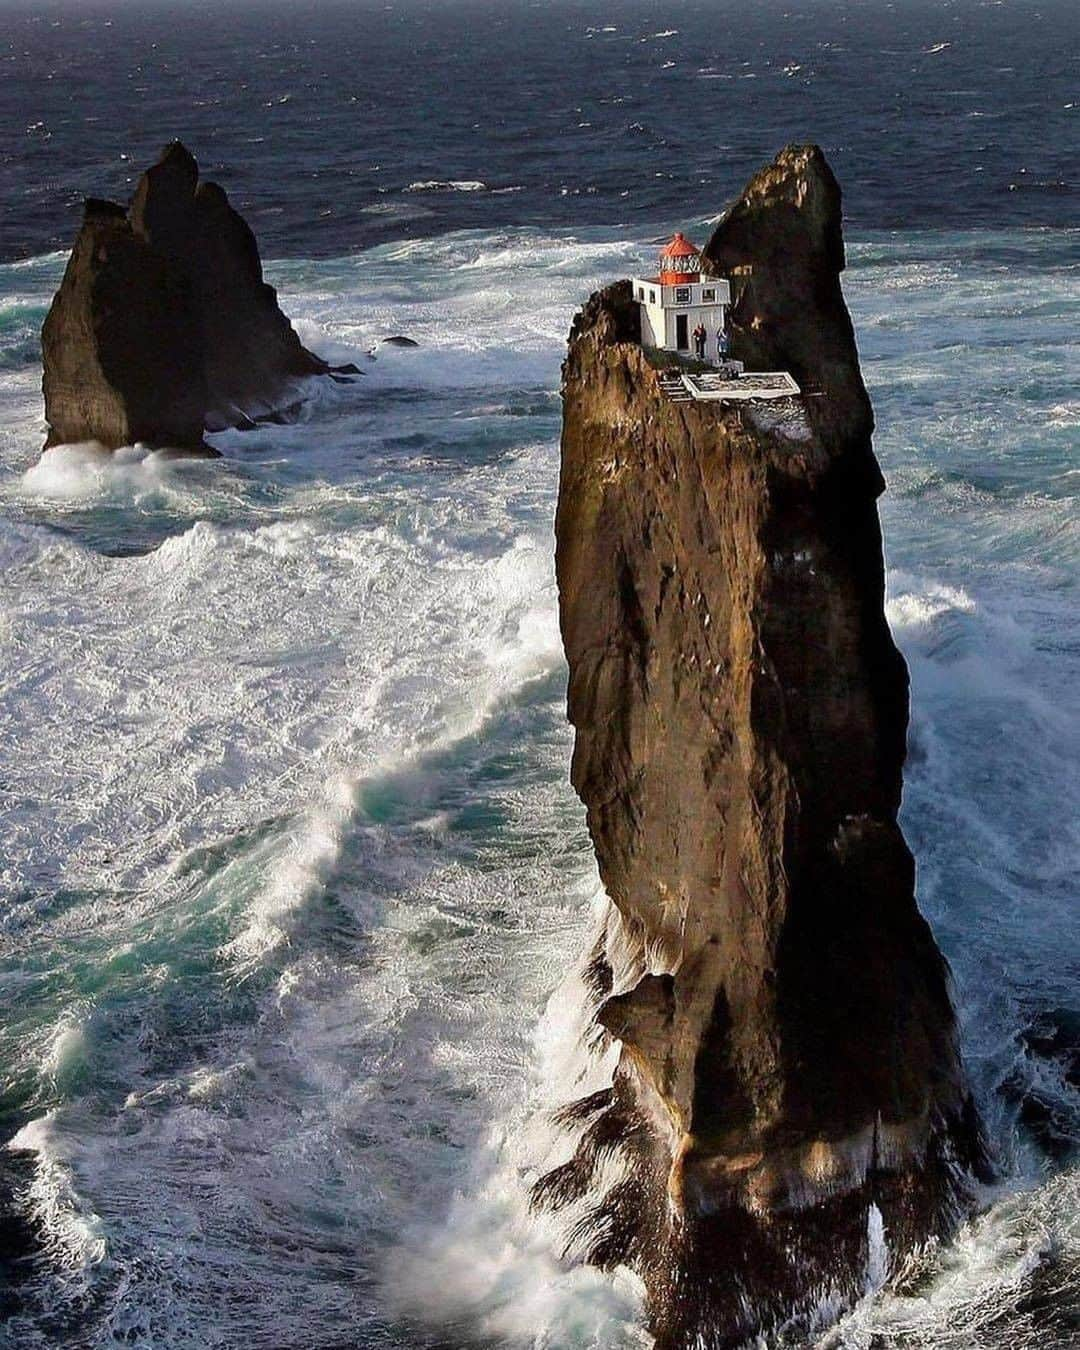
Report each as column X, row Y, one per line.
column 877, row 1250
column 494, row 1265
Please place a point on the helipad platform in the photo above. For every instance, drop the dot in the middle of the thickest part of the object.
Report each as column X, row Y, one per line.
column 712, row 386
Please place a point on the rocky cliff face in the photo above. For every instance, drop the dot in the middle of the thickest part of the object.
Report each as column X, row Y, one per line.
column 163, row 326
column 788, row 1054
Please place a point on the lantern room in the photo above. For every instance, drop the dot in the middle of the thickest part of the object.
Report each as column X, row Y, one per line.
column 678, row 304
column 680, row 262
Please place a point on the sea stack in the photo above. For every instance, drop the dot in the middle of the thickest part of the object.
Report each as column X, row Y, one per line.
column 163, row 327
column 788, row 1077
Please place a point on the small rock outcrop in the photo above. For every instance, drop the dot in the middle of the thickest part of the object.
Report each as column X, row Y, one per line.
column 788, row 1074
column 163, row 327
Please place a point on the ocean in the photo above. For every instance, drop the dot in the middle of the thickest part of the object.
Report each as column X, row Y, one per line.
column 293, row 888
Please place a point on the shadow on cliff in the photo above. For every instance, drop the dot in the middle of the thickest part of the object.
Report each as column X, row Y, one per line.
column 164, row 328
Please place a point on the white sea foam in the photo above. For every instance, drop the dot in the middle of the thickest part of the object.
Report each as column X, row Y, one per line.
column 1065, row 414
column 244, row 690
column 308, row 854
column 913, row 606
column 448, row 185
column 84, row 471
column 494, row 1268
column 491, row 1262
column 962, row 1292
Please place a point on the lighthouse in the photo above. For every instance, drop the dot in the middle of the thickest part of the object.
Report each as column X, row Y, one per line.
column 679, row 300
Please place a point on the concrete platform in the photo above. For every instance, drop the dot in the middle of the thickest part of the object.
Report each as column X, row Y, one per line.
column 718, row 387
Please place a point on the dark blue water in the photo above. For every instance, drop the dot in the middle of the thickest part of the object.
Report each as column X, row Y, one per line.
column 319, row 119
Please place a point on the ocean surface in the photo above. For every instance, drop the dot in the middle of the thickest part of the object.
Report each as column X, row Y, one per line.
column 293, row 886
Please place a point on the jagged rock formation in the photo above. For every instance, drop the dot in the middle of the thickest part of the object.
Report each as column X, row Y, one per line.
column 788, row 1049
column 163, row 327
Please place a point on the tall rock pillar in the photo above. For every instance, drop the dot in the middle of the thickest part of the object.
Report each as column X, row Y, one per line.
column 788, row 1072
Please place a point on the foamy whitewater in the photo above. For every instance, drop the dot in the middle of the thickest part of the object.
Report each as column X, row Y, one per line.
column 294, row 886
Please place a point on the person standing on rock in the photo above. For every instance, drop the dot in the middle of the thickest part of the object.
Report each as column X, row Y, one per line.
column 700, row 338
column 721, row 345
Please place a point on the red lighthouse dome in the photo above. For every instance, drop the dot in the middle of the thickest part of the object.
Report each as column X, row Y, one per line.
column 680, row 262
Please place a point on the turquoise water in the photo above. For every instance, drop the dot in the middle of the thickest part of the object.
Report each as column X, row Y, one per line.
column 294, row 885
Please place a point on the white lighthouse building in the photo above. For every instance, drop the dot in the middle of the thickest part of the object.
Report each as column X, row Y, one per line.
column 679, row 300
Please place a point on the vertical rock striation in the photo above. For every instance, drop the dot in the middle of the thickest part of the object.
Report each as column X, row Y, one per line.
column 788, row 1047
column 163, row 326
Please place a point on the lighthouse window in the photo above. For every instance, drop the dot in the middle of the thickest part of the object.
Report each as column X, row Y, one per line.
column 708, row 295
column 652, row 297
column 682, row 295
column 641, row 292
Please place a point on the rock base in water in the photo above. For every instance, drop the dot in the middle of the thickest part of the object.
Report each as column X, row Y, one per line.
column 163, row 327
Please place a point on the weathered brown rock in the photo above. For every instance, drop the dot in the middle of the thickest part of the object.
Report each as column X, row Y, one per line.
column 788, row 1045
column 163, row 326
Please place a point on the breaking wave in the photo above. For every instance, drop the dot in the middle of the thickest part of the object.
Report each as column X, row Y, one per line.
column 448, row 185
